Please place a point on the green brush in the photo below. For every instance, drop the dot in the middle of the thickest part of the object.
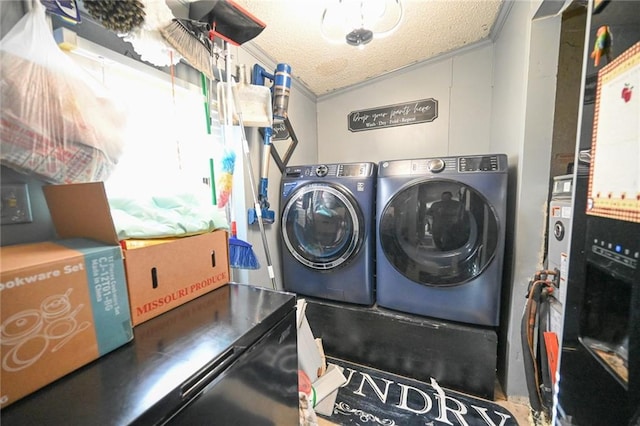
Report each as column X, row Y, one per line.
column 212, row 181
column 205, row 94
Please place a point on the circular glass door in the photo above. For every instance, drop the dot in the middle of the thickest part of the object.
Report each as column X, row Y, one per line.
column 322, row 226
column 438, row 232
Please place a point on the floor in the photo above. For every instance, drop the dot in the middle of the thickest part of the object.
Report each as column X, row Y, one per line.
column 521, row 411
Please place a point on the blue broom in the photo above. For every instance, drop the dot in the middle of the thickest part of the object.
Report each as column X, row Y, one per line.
column 241, row 254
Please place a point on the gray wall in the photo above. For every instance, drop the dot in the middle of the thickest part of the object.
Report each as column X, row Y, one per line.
column 524, row 96
column 462, row 85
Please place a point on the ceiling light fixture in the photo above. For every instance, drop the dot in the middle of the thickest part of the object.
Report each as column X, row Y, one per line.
column 359, row 21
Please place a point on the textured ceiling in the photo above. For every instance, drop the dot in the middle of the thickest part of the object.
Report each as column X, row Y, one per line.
column 430, row 28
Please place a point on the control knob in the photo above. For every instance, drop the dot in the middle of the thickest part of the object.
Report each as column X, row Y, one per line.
column 436, row 166
column 322, row 170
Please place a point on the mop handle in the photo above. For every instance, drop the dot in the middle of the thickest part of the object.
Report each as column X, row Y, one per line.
column 252, row 185
column 228, row 118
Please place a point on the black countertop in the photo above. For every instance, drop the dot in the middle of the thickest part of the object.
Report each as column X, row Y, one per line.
column 135, row 383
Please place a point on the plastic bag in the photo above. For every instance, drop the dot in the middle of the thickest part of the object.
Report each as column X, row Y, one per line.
column 57, row 122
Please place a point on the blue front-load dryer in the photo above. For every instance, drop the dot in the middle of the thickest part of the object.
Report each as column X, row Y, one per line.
column 327, row 231
column 440, row 236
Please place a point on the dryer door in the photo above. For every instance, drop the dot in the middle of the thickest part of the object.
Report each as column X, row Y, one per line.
column 322, row 226
column 438, row 232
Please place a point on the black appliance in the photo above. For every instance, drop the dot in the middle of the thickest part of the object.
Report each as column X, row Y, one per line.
column 599, row 381
column 228, row 357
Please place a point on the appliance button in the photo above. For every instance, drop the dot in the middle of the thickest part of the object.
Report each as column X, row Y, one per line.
column 436, row 165
column 558, row 231
column 322, row 170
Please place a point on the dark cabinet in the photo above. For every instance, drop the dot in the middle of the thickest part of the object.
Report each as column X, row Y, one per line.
column 600, row 361
column 228, row 357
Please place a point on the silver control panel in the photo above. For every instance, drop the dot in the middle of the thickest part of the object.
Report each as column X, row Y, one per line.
column 487, row 163
column 331, row 170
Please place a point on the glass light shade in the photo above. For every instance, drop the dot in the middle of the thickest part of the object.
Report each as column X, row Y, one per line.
column 359, row 21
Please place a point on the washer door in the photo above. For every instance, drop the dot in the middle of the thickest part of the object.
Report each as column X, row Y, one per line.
column 322, row 226
column 438, row 232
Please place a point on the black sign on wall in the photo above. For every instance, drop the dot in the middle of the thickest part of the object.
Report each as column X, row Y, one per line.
column 414, row 112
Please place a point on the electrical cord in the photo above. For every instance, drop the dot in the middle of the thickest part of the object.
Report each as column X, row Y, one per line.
column 534, row 350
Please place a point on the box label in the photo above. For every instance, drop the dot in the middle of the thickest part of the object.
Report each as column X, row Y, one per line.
column 181, row 295
column 109, row 298
column 62, row 306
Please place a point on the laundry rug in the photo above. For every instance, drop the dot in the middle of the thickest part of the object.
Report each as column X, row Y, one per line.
column 373, row 397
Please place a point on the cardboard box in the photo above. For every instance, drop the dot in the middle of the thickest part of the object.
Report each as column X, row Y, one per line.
column 327, row 387
column 63, row 304
column 159, row 277
column 309, row 357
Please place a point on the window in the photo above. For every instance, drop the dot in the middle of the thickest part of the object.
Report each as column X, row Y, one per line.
column 167, row 147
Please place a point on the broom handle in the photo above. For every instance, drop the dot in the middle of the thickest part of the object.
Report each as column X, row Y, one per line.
column 228, row 117
column 252, row 185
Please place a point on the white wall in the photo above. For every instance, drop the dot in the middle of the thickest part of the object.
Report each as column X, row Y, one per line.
column 462, row 86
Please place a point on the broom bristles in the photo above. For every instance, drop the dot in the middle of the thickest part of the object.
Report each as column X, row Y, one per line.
column 241, row 254
column 189, row 43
